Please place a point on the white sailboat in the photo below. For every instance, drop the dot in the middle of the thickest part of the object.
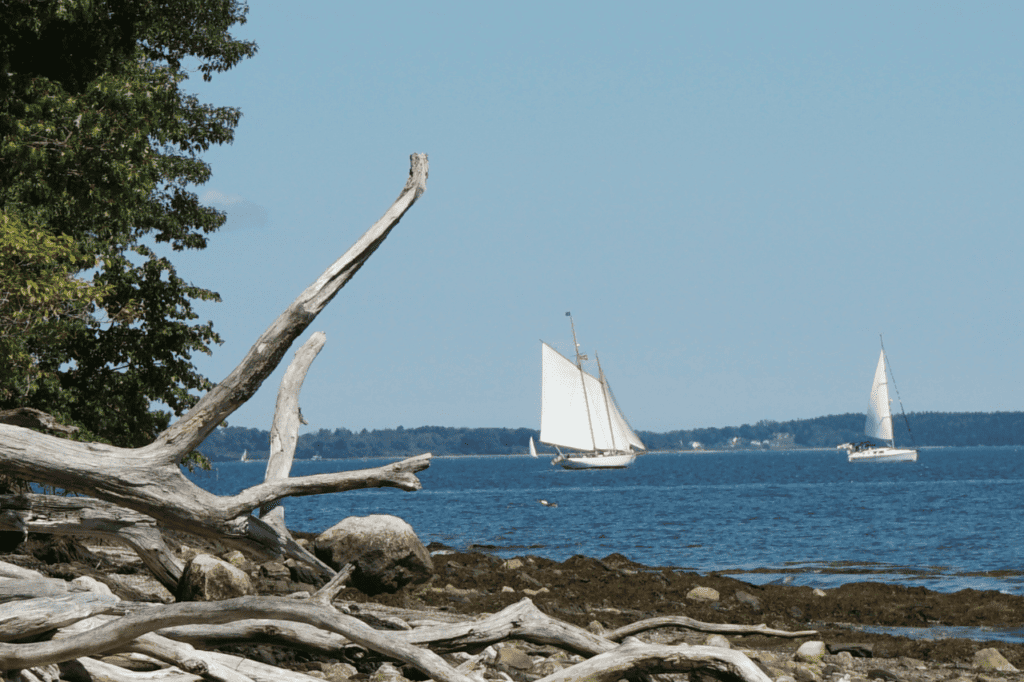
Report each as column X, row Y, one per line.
column 879, row 425
column 533, row 448
column 245, row 456
column 578, row 412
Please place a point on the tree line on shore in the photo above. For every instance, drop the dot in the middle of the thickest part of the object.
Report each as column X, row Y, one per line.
column 925, row 428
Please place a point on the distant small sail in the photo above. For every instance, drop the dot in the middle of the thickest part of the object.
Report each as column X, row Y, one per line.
column 533, row 448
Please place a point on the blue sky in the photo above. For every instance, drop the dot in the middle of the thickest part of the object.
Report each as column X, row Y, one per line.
column 733, row 199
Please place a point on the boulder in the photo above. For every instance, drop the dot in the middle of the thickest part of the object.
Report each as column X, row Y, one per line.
column 207, row 578
column 385, row 551
column 810, row 652
column 719, row 641
column 992, row 659
column 703, row 594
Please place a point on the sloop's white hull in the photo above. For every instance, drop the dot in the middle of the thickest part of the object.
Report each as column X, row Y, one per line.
column 883, row 455
column 620, row 461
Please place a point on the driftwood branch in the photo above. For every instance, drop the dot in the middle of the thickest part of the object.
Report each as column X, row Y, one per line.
column 634, row 657
column 149, row 479
column 699, row 626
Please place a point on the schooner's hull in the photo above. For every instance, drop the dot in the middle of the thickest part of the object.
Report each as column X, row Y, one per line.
column 883, row 455
column 620, row 461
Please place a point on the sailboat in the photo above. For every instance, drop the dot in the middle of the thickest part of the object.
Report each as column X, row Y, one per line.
column 245, row 456
column 579, row 413
column 879, row 425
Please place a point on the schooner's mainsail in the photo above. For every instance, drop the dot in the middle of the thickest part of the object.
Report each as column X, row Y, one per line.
column 579, row 412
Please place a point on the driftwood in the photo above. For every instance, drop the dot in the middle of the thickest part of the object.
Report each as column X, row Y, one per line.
column 149, row 479
column 88, row 517
column 520, row 621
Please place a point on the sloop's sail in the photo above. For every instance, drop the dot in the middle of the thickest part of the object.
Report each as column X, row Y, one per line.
column 879, row 420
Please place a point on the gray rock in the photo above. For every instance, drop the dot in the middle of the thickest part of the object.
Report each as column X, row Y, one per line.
column 750, row 600
column 804, row 673
column 992, row 659
column 387, row 672
column 275, row 570
column 338, row 672
column 385, row 551
column 810, row 652
column 882, row 674
column 703, row 594
column 512, row 657
column 207, row 578
column 718, row 641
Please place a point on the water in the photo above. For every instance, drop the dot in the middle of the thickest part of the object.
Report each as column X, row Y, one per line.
column 950, row 521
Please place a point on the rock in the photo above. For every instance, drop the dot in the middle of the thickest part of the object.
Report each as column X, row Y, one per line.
column 303, row 573
column 804, row 673
column 385, row 551
column 92, row 585
column 207, row 578
column 512, row 657
column 512, row 564
column 534, row 593
column 595, row 628
column 718, row 641
column 275, row 570
column 882, row 674
column 750, row 600
column 702, row 594
column 810, row 652
column 818, row 592
column 338, row 672
column 140, row 586
column 992, row 659
column 387, row 672
column 506, row 588
column 237, row 559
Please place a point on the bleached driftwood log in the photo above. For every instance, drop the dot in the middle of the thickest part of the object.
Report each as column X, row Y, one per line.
column 89, row 517
column 149, row 479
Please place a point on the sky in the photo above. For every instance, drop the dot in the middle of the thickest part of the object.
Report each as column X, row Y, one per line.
column 733, row 199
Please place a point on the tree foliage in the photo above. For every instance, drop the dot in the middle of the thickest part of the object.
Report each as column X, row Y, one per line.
column 99, row 146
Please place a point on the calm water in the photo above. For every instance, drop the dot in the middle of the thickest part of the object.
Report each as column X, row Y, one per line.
column 952, row 520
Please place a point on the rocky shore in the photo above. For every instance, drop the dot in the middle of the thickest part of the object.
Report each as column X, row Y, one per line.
column 603, row 595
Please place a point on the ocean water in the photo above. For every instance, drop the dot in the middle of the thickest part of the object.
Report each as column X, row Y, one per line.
column 952, row 520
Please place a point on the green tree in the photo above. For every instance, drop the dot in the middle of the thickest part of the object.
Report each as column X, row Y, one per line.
column 99, row 147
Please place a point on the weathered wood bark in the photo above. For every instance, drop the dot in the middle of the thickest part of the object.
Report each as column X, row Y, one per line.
column 28, row 617
column 88, row 517
column 149, row 480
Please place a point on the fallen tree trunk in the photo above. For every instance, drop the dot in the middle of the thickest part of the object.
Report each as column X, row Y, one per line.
column 149, row 479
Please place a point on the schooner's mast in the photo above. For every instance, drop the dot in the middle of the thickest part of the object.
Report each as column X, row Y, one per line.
column 607, row 401
column 583, row 382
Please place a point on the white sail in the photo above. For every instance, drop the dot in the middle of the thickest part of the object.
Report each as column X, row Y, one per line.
column 623, row 431
column 533, row 448
column 577, row 411
column 879, row 421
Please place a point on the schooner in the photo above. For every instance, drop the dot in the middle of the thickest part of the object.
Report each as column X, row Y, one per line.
column 578, row 412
